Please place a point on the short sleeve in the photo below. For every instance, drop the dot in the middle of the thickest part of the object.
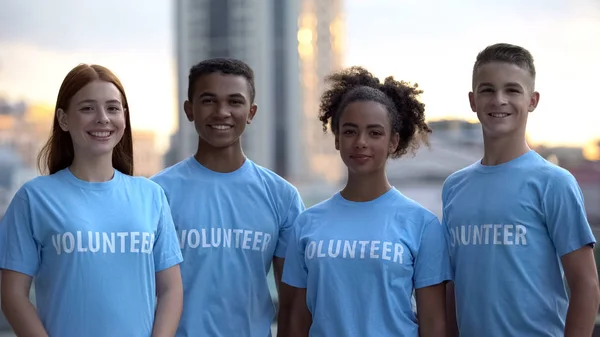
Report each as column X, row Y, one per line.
column 294, row 269
column 566, row 216
column 167, row 252
column 19, row 251
column 447, row 239
column 432, row 264
column 285, row 230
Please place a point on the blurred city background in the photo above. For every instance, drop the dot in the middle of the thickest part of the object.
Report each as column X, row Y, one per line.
column 292, row 45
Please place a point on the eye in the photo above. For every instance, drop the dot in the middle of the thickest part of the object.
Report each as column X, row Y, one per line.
column 114, row 109
column 376, row 133
column 486, row 90
column 86, row 109
column 236, row 102
column 514, row 91
column 348, row 132
column 208, row 101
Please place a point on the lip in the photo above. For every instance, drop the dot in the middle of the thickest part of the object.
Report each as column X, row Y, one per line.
column 220, row 126
column 97, row 134
column 499, row 114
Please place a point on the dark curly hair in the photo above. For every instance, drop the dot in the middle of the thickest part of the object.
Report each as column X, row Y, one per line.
column 406, row 112
column 225, row 66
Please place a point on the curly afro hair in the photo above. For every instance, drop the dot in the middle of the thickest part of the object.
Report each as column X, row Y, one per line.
column 406, row 112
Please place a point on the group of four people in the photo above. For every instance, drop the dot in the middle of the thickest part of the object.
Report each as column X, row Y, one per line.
column 187, row 252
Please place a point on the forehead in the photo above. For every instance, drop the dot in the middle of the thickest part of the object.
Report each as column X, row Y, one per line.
column 221, row 84
column 500, row 74
column 100, row 91
column 364, row 113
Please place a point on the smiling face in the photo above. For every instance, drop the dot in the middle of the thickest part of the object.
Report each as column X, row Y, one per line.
column 95, row 119
column 220, row 109
column 503, row 97
column 365, row 138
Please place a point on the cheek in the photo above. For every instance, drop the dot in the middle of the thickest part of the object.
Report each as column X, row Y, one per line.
column 119, row 121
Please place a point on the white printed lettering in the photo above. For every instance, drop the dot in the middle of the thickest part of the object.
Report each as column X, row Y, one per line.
column 368, row 250
column 92, row 242
column 494, row 234
column 224, row 238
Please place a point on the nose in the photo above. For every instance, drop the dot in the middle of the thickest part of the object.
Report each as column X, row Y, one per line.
column 223, row 110
column 361, row 141
column 499, row 98
column 102, row 116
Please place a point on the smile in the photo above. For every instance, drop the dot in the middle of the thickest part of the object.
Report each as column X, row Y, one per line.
column 221, row 126
column 100, row 134
column 499, row 115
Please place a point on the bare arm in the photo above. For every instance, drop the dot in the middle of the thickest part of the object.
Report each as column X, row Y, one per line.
column 286, row 296
column 431, row 310
column 169, row 291
column 582, row 278
column 17, row 308
column 300, row 316
column 451, row 323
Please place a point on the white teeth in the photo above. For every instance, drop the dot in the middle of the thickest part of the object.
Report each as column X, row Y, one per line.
column 103, row 134
column 221, row 127
column 498, row 115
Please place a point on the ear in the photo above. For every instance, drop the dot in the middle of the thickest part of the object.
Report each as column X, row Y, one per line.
column 251, row 113
column 189, row 112
column 533, row 101
column 472, row 101
column 394, row 142
column 61, row 116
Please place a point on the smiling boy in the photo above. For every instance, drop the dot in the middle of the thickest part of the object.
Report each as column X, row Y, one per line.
column 233, row 217
column 515, row 221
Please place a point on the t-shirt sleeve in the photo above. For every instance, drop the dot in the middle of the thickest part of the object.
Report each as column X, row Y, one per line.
column 167, row 252
column 285, row 230
column 294, row 269
column 565, row 214
column 19, row 250
column 432, row 264
column 448, row 240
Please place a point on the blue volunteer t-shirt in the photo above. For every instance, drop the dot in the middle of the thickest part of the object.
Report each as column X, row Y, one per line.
column 508, row 226
column 360, row 263
column 230, row 226
column 93, row 250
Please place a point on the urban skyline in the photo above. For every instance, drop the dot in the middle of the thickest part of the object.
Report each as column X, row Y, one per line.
column 401, row 38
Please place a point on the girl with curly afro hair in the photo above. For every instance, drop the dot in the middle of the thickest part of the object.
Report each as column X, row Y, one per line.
column 360, row 256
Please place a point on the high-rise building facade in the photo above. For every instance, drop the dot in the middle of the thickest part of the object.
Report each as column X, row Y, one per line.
column 320, row 47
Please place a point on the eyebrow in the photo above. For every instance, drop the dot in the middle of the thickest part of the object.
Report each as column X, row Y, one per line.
column 94, row 101
column 212, row 95
column 370, row 126
column 510, row 84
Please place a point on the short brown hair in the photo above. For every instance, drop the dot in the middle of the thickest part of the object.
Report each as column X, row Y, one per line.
column 507, row 53
column 58, row 153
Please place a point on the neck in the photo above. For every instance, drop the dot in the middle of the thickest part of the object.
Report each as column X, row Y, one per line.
column 504, row 149
column 223, row 160
column 365, row 187
column 93, row 169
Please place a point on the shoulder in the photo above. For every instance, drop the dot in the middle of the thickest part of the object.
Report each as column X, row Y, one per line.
column 273, row 182
column 41, row 185
column 315, row 213
column 171, row 174
column 458, row 177
column 410, row 209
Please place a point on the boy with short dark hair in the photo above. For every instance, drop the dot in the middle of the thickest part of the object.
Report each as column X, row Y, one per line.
column 233, row 217
column 515, row 221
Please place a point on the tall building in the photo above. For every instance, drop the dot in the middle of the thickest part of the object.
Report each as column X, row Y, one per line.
column 291, row 45
column 262, row 34
column 320, row 47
